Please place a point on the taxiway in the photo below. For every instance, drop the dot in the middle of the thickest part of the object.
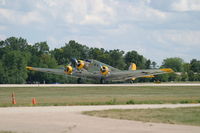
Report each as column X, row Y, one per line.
column 68, row 119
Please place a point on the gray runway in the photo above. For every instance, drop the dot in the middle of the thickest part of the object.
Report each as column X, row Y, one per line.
column 86, row 85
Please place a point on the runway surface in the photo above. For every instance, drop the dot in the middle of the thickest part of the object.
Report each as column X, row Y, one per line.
column 68, row 119
column 86, row 85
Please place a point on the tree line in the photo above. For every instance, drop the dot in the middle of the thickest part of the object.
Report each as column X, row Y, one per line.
column 16, row 54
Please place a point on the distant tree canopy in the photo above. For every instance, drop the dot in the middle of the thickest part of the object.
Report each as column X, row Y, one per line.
column 195, row 65
column 175, row 63
column 134, row 57
column 16, row 54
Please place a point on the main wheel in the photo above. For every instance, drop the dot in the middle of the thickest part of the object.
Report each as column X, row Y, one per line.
column 79, row 80
column 131, row 81
column 102, row 81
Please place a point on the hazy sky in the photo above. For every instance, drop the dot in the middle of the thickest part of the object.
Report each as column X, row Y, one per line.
column 156, row 29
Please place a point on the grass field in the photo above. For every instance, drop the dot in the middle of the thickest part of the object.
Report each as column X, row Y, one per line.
column 186, row 116
column 100, row 95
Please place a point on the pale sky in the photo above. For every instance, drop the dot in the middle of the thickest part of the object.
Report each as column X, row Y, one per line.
column 157, row 29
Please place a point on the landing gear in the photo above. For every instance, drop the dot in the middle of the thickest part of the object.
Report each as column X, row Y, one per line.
column 79, row 81
column 131, row 81
column 102, row 81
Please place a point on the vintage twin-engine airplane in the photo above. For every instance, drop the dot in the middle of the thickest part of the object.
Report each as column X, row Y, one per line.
column 95, row 70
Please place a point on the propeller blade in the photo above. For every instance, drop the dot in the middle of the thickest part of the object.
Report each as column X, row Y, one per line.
column 74, row 61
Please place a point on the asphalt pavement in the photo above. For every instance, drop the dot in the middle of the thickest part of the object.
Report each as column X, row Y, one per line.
column 68, row 119
column 86, row 85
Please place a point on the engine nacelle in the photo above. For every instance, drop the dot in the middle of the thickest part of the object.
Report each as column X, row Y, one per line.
column 80, row 64
column 68, row 70
column 104, row 70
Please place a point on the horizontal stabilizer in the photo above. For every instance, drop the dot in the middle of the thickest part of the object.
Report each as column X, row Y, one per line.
column 168, row 70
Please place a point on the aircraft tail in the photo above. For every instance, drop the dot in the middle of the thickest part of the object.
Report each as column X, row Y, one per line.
column 132, row 67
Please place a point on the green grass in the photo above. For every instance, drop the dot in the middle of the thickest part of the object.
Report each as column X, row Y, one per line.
column 186, row 116
column 57, row 96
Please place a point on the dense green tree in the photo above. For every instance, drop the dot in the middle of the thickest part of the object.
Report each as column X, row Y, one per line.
column 195, row 65
column 2, row 73
column 40, row 48
column 75, row 50
column 184, row 76
column 18, row 44
column 175, row 63
column 116, row 58
column 96, row 53
column 14, row 63
column 134, row 57
column 197, row 77
column 59, row 56
column 174, row 77
column 191, row 76
column 148, row 64
column 1, row 49
column 14, row 53
column 12, row 43
column 162, row 78
column 186, row 67
column 100, row 54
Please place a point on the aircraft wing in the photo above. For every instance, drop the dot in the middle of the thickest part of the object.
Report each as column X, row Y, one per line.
column 75, row 73
column 116, row 75
column 47, row 70
column 125, row 75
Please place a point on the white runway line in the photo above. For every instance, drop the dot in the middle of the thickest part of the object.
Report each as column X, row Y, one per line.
column 88, row 85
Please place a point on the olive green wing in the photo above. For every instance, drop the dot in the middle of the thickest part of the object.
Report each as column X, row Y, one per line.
column 125, row 75
column 75, row 73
